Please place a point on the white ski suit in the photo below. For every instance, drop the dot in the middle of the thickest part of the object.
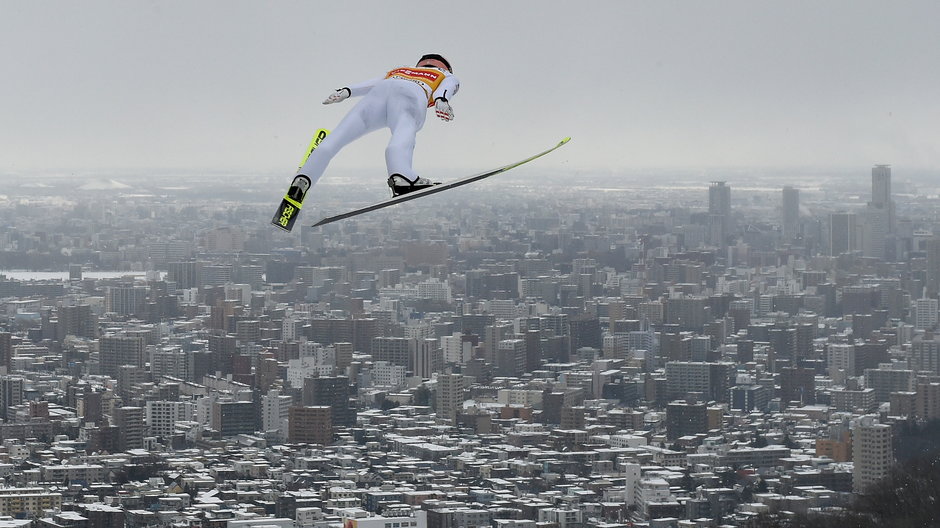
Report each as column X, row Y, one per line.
column 398, row 101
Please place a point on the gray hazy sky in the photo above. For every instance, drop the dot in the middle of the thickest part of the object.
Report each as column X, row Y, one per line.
column 237, row 85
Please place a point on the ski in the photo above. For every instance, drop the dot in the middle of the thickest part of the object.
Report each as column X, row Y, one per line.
column 290, row 206
column 435, row 189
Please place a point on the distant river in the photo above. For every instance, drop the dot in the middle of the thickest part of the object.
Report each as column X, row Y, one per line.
column 64, row 275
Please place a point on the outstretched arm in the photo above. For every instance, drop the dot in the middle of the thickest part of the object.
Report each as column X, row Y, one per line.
column 350, row 91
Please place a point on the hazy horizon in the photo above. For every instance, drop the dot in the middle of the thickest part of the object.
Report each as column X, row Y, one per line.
column 236, row 86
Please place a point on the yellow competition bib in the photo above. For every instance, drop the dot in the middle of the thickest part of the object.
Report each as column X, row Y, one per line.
column 427, row 78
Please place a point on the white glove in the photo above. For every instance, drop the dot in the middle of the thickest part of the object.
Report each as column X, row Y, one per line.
column 443, row 110
column 337, row 96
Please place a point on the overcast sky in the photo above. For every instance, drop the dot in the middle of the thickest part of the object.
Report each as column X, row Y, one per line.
column 237, row 85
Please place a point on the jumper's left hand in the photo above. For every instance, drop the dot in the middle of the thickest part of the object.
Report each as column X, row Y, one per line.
column 443, row 110
column 338, row 95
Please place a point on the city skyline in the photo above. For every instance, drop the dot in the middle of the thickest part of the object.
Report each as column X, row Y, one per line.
column 641, row 343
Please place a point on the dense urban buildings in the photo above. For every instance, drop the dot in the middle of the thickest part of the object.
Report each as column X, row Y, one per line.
column 659, row 355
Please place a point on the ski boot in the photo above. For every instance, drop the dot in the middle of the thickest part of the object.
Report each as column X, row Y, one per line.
column 401, row 185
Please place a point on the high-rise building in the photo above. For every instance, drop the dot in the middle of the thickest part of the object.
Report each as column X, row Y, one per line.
column 616, row 346
column 364, row 330
column 130, row 420
column 231, row 418
column 585, row 331
column 685, row 418
column 161, row 416
column 216, row 274
column 879, row 220
column 125, row 300
column 689, row 313
column 170, row 361
column 311, row 425
column 384, row 374
column 719, row 212
column 89, row 406
column 927, row 401
column 869, row 355
column 275, row 409
column 871, row 452
column 510, row 358
column 394, row 350
column 492, row 335
column 128, row 377
column 782, row 341
column 932, row 246
column 251, row 274
column 6, row 350
column 881, row 184
column 710, row 380
column 805, row 336
column 344, row 355
column 842, row 233
column 223, row 312
column 451, row 393
column 925, row 353
column 11, row 393
column 533, row 350
column 790, row 212
column 76, row 320
column 719, row 198
column 389, row 278
column 292, row 328
column 881, row 194
column 750, row 397
column 457, row 349
column 797, row 384
column 476, row 323
column 222, row 349
column 248, row 330
column 426, row 357
column 186, row 274
column 926, row 313
column 841, row 360
column 556, row 324
column 331, row 391
column 873, row 232
column 884, row 381
column 853, row 400
column 117, row 350
column 670, row 344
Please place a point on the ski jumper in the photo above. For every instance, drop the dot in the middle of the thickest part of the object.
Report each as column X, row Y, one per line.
column 399, row 102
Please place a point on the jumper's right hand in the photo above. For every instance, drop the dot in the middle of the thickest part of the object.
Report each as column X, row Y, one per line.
column 337, row 96
column 443, row 109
